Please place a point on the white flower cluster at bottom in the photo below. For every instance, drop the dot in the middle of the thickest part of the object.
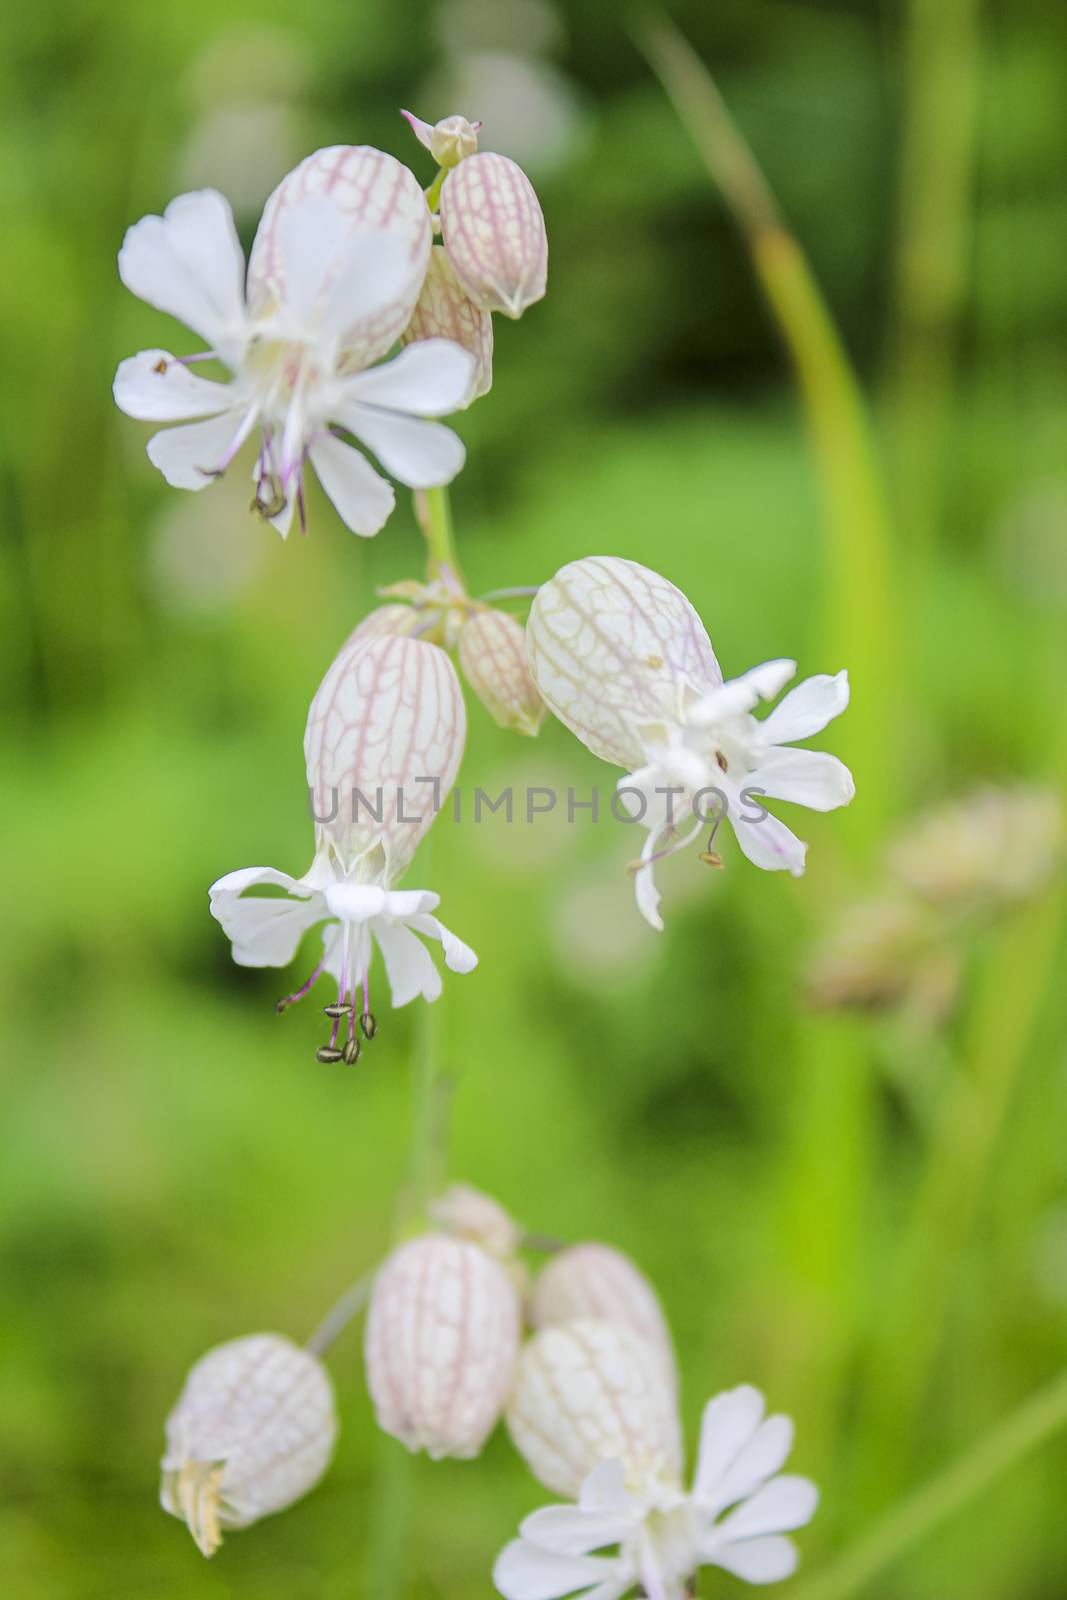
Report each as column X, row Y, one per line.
column 590, row 1398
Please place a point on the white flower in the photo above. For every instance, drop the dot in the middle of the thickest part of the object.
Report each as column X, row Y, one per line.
column 736, row 1516
column 441, row 1342
column 595, row 1280
column 334, row 275
column 384, row 738
column 624, row 661
column 253, row 1430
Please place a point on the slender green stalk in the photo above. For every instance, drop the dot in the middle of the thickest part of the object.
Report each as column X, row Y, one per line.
column 862, row 624
column 934, row 228
column 435, row 517
column 1035, row 1422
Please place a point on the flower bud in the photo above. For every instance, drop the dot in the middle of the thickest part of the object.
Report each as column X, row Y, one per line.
column 990, row 850
column 445, row 311
column 593, row 1280
column 397, row 621
column 592, row 1391
column 494, row 233
column 441, row 1341
column 449, row 141
column 467, row 1213
column 492, row 653
column 253, row 1430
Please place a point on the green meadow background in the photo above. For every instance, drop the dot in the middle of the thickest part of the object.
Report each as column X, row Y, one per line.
column 868, row 1223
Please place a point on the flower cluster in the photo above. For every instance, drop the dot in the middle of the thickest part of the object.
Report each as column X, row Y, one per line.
column 590, row 1400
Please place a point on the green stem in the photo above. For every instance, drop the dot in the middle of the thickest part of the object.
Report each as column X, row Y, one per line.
column 435, row 518
column 1036, row 1421
column 863, row 628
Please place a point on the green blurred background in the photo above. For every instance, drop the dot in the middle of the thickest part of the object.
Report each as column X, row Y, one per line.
column 867, row 1220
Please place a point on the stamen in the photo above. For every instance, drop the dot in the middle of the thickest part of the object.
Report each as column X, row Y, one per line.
column 368, row 1022
column 327, row 1055
column 340, row 1008
column 291, row 999
column 350, row 1053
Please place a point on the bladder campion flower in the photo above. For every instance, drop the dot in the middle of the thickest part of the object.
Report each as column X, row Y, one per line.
column 621, row 657
column 383, row 743
column 334, row 274
column 441, row 1342
column 735, row 1516
column 253, row 1430
column 595, row 1280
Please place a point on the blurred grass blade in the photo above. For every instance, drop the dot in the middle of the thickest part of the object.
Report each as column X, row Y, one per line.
column 863, row 631
column 1035, row 1422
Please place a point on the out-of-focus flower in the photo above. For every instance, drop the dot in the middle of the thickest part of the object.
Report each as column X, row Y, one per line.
column 467, row 1213
column 996, row 847
column 591, row 1391
column 663, row 1535
column 445, row 311
column 203, row 556
column 595, row 1281
column 492, row 653
column 253, row 1430
column 384, row 738
column 333, row 278
column 441, row 1341
column 882, row 953
column 532, row 106
column 494, row 233
column 623, row 660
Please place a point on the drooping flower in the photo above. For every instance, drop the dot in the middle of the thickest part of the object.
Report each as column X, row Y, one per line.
column 736, row 1516
column 623, row 660
column 253, row 1430
column 590, row 1391
column 441, row 1343
column 444, row 310
column 333, row 278
column 383, row 743
column 595, row 1280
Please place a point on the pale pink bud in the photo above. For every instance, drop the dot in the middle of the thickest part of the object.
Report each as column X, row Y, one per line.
column 385, row 622
column 372, row 191
column 592, row 1391
column 494, row 232
column 467, row 1213
column 593, row 1280
column 492, row 653
column 253, row 1430
column 387, row 725
column 449, row 141
column 441, row 1341
column 445, row 311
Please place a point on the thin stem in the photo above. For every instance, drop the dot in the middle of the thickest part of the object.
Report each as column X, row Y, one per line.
column 518, row 591
column 1037, row 1420
column 340, row 1314
column 862, row 623
column 435, row 518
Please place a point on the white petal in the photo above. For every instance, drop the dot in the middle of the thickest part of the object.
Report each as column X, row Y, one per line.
column 421, row 454
column 459, row 957
column 407, row 904
column 768, row 843
column 188, row 263
column 764, row 1455
column 153, row 387
column 423, row 131
column 756, row 1560
column 728, row 1424
column 645, row 891
column 807, row 708
column 613, row 646
column 741, row 694
column 605, row 1489
column 408, row 964
column 524, row 1572
column 779, row 1506
column 570, row 1531
column 361, row 497
column 334, row 278
column 188, row 456
column 264, row 932
column 427, row 379
column 806, row 777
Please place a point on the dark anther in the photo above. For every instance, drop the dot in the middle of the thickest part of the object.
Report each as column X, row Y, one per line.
column 351, row 1051
column 721, row 759
column 711, row 858
column 369, row 1025
column 275, row 503
column 280, row 1006
column 328, row 1055
column 161, row 365
column 339, row 1009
